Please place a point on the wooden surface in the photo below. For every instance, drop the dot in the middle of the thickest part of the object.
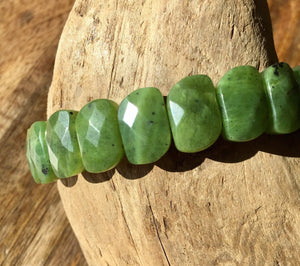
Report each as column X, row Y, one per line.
column 33, row 226
column 234, row 203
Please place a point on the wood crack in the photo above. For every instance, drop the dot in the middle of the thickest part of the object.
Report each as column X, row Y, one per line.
column 232, row 32
column 156, row 229
column 111, row 75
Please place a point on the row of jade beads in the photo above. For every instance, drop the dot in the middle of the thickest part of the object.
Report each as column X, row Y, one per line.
column 244, row 105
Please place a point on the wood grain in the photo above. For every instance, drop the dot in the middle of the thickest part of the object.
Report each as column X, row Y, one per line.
column 34, row 229
column 285, row 17
column 234, row 203
column 33, row 226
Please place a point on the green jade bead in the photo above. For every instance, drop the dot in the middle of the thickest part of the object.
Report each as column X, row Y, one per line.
column 144, row 126
column 37, row 154
column 296, row 71
column 98, row 135
column 62, row 143
column 283, row 97
column 194, row 113
column 243, row 104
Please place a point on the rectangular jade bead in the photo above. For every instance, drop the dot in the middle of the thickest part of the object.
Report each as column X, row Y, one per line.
column 37, row 154
column 194, row 113
column 243, row 104
column 62, row 143
column 99, row 136
column 283, row 97
column 144, row 126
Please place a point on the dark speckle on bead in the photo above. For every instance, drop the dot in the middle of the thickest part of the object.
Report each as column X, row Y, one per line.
column 90, row 105
column 137, row 93
column 151, row 122
column 153, row 113
column 196, row 100
column 71, row 113
column 113, row 145
column 45, row 170
column 276, row 66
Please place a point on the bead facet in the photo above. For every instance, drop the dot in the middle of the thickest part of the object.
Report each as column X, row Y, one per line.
column 243, row 104
column 283, row 97
column 98, row 136
column 194, row 113
column 144, row 126
column 62, row 143
column 37, row 154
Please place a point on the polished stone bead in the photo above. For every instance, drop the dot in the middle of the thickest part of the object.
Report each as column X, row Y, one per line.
column 296, row 71
column 284, row 99
column 99, row 136
column 194, row 113
column 144, row 126
column 62, row 143
column 37, row 154
column 243, row 104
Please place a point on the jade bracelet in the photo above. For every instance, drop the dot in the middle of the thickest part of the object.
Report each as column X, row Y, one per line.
column 244, row 105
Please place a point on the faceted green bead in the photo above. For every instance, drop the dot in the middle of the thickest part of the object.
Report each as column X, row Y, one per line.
column 284, row 99
column 31, row 163
column 144, row 126
column 296, row 71
column 194, row 113
column 37, row 154
column 99, row 136
column 243, row 104
column 62, row 143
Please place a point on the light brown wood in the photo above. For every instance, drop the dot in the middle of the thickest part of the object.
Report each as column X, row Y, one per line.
column 33, row 227
column 285, row 17
column 232, row 204
column 28, row 48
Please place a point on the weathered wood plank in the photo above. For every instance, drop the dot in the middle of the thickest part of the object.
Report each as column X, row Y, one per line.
column 33, row 227
column 234, row 203
column 29, row 32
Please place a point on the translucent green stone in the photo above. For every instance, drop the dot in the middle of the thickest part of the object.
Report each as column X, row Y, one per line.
column 144, row 126
column 284, row 98
column 62, row 143
column 296, row 71
column 194, row 113
column 99, row 136
column 37, row 154
column 243, row 104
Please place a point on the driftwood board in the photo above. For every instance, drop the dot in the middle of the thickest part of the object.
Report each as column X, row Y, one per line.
column 233, row 203
column 34, row 230
column 33, row 227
